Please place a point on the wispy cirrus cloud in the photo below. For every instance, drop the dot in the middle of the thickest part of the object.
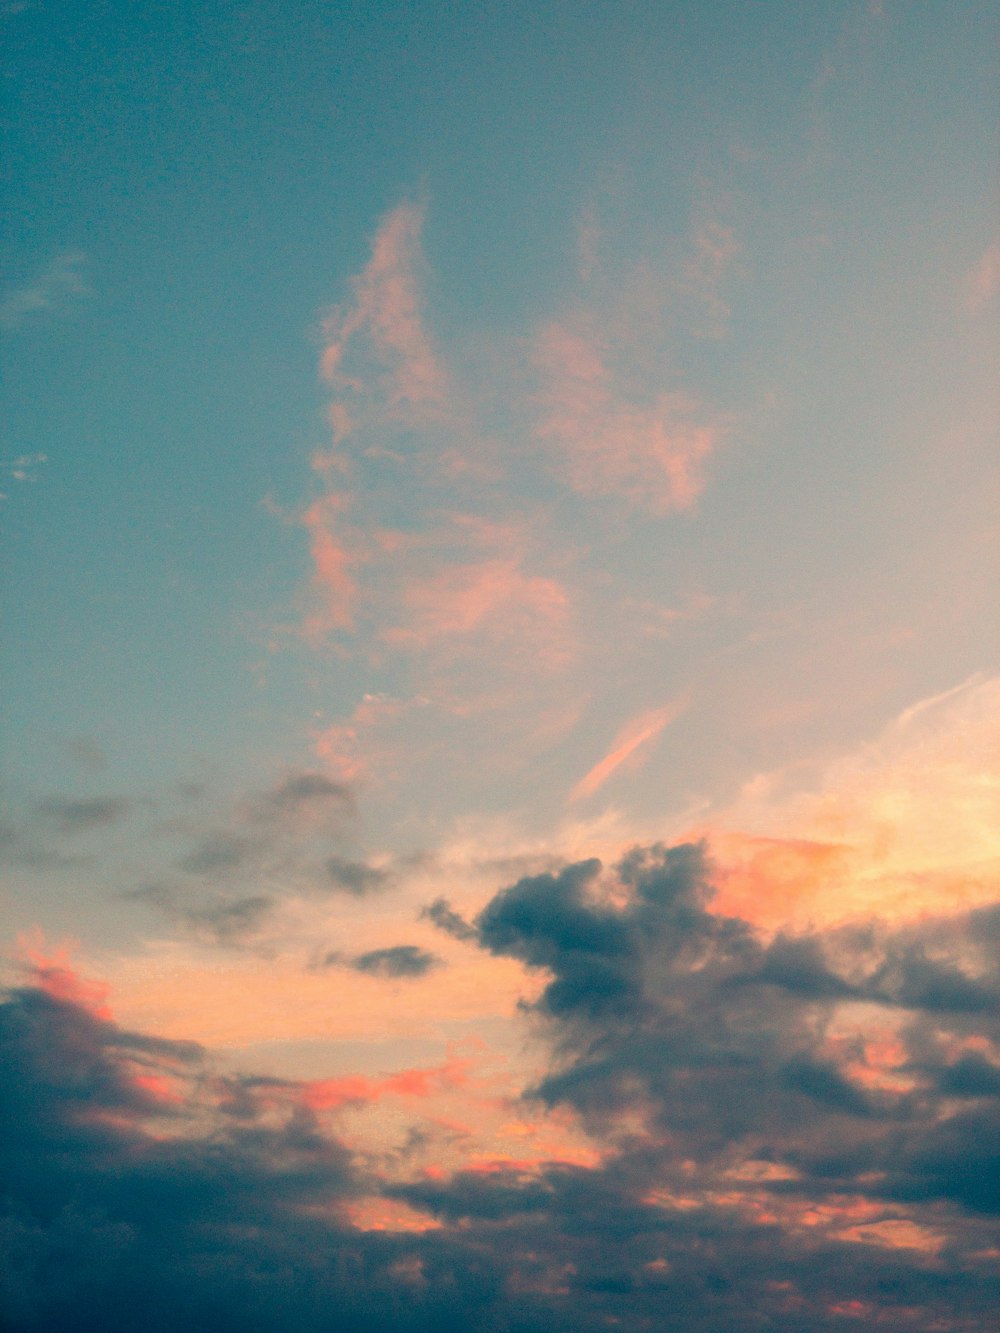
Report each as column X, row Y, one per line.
column 468, row 598
column 387, row 312
column 638, row 732
column 613, row 439
column 58, row 283
column 335, row 557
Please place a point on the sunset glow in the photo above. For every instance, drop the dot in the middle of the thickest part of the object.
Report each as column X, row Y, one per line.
column 502, row 710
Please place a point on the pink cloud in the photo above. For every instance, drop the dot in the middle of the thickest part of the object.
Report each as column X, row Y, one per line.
column 465, row 599
column 651, row 453
column 53, row 972
column 352, row 1089
column 332, row 565
column 637, row 733
column 387, row 310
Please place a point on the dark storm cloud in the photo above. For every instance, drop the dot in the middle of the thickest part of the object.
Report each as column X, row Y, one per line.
column 401, row 960
column 917, row 981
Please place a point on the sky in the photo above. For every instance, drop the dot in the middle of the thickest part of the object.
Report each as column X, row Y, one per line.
column 501, row 668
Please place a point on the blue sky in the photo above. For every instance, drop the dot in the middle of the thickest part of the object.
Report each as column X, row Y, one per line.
column 446, row 444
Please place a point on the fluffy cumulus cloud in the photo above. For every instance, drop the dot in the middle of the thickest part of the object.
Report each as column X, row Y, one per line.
column 790, row 1131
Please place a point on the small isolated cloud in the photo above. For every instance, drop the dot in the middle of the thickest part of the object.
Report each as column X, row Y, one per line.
column 58, row 282
column 356, row 877
column 217, row 853
column 447, row 919
column 484, row 597
column 229, row 921
column 21, row 469
column 636, row 734
column 400, row 960
column 79, row 815
column 307, row 790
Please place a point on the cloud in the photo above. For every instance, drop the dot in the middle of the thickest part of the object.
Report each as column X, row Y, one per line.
column 493, row 596
column 59, row 282
column 790, row 1132
column 682, row 1027
column 633, row 736
column 356, row 877
column 400, row 960
column 334, row 562
column 714, row 247
column 72, row 815
column 305, row 790
column 611, row 439
column 243, row 864
column 22, row 469
column 387, row 312
column 448, row 920
column 904, row 826
column 87, row 752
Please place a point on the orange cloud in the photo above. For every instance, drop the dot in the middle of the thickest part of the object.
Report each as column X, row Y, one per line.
column 331, row 1093
column 906, row 827
column 637, row 733
column 609, row 444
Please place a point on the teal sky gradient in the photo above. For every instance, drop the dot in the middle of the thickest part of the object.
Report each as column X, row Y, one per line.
column 500, row 665
column 191, row 190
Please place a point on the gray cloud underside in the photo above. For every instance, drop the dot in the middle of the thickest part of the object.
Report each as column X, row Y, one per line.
column 127, row 1213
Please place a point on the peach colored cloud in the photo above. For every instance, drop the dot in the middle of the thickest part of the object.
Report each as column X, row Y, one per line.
column 607, row 442
column 330, row 1093
column 333, row 563
column 467, row 598
column 387, row 309
column 908, row 826
column 633, row 736
column 350, row 746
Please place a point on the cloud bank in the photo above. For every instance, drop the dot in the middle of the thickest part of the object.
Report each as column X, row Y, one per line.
column 791, row 1131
